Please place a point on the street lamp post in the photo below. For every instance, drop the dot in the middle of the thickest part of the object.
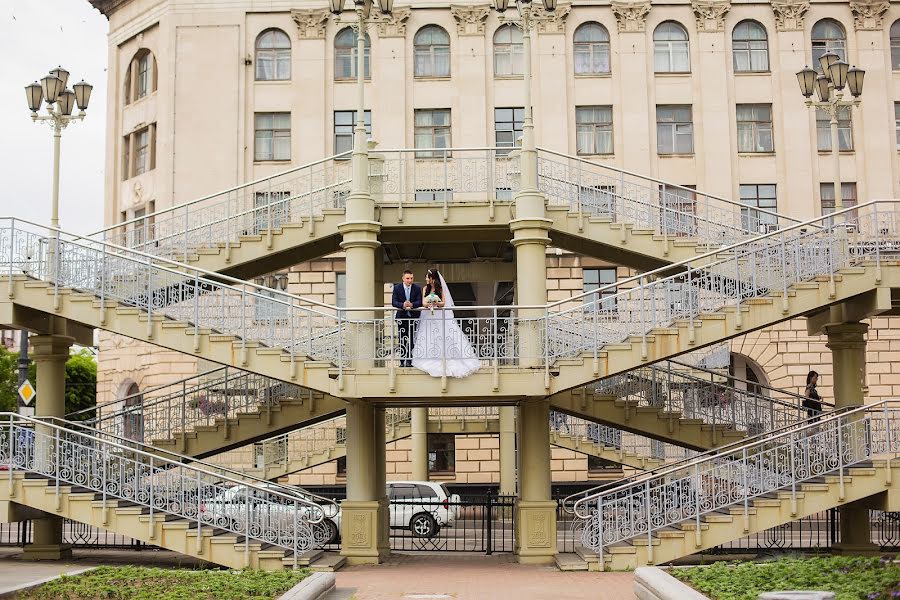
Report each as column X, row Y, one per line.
column 829, row 88
column 526, row 22
column 60, row 102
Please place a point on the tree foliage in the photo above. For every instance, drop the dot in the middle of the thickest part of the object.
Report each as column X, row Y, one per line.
column 81, row 380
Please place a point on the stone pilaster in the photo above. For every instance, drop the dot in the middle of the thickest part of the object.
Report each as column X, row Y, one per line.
column 362, row 513
column 419, row 435
column 535, row 509
column 507, row 450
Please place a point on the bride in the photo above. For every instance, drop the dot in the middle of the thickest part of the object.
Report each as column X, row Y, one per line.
column 441, row 347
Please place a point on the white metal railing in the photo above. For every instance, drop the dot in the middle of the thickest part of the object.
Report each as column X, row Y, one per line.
column 173, row 409
column 766, row 266
column 298, row 195
column 446, row 176
column 734, row 475
column 195, row 492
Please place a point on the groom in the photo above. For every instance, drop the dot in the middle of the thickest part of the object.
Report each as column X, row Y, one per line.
column 406, row 299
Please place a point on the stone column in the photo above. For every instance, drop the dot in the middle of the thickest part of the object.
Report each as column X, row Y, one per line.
column 360, row 519
column 847, row 342
column 384, row 539
column 419, row 431
column 536, row 512
column 50, row 353
column 507, row 450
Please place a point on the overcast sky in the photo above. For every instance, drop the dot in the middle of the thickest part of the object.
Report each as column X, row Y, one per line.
column 36, row 36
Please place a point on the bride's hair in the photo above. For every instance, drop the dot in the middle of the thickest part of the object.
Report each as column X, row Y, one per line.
column 435, row 285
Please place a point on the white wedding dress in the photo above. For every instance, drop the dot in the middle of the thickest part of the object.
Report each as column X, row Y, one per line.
column 441, row 348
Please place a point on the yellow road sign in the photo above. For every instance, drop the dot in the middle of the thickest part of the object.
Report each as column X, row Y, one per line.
column 27, row 392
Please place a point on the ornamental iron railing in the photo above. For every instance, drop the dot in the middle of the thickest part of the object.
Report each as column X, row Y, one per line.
column 195, row 492
column 765, row 267
column 446, row 176
column 735, row 475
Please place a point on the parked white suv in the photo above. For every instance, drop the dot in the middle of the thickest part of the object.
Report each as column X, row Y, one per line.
column 423, row 507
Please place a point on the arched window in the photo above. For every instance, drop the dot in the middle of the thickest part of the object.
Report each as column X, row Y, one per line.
column 591, row 49
column 508, row 53
column 133, row 425
column 345, row 55
column 273, row 56
column 828, row 36
column 140, row 77
column 895, row 46
column 432, row 52
column 671, row 53
column 750, row 47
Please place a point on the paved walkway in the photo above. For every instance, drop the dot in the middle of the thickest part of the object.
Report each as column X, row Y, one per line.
column 445, row 576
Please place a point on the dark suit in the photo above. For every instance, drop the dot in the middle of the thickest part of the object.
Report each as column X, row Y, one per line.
column 406, row 319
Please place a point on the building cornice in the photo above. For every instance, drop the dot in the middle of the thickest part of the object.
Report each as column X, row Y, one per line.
column 108, row 7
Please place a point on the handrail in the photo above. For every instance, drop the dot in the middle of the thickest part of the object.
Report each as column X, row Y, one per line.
column 666, row 183
column 733, row 378
column 219, row 193
column 187, row 460
column 13, row 417
column 705, row 457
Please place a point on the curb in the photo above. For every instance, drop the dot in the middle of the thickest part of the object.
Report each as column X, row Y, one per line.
column 10, row 592
column 652, row 583
column 312, row 588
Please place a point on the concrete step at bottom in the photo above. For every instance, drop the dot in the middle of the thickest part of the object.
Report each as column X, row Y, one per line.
column 569, row 561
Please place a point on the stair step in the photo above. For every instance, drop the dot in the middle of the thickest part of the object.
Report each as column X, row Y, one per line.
column 328, row 562
column 569, row 561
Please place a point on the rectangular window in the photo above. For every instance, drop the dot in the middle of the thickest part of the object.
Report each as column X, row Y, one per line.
column 141, row 152
column 273, row 136
column 594, row 129
column 758, row 195
column 678, row 209
column 823, row 130
column 848, row 197
column 143, row 77
column 508, row 123
column 601, row 465
column 674, row 129
column 598, row 278
column 344, row 123
column 441, row 453
column 897, row 122
column 754, row 128
column 138, row 233
column 432, row 130
column 340, row 289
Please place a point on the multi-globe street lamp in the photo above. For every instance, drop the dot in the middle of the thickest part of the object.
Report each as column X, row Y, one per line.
column 60, row 103
column 828, row 86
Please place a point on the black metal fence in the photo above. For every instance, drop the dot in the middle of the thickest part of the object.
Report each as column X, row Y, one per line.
column 79, row 535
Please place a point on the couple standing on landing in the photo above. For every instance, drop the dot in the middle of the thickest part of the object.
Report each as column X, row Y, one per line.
column 429, row 337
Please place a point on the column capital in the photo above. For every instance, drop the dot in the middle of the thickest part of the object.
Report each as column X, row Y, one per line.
column 868, row 14
column 789, row 14
column 310, row 22
column 846, row 336
column 50, row 347
column 394, row 24
column 710, row 14
column 631, row 17
column 470, row 18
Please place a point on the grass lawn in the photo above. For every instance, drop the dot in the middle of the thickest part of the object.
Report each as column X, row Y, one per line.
column 849, row 577
column 146, row 583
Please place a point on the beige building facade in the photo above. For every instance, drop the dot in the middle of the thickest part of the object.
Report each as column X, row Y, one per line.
column 206, row 95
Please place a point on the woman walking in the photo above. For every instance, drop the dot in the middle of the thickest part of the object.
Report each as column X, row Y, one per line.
column 813, row 402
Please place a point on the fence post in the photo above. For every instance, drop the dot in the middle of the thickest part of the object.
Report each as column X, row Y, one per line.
column 490, row 524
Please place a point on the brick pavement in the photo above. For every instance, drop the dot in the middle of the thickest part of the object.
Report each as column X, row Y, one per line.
column 445, row 576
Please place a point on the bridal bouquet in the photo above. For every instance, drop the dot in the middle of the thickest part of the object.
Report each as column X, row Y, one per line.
column 432, row 299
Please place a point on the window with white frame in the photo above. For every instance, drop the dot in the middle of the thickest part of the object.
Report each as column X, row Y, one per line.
column 594, row 129
column 509, row 58
column 345, row 55
column 344, row 124
column 823, row 130
column 273, row 56
column 755, row 196
column 828, row 36
column 432, row 130
column 671, row 51
column 431, row 49
column 591, row 49
column 754, row 128
column 674, row 129
column 508, row 124
column 140, row 77
column 144, row 65
column 750, row 48
column 141, row 151
column 273, row 136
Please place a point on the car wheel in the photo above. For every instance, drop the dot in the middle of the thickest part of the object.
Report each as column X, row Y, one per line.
column 333, row 533
column 423, row 525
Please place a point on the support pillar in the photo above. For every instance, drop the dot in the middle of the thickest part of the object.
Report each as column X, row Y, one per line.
column 419, row 431
column 384, row 533
column 507, row 450
column 361, row 511
column 50, row 353
column 535, row 510
column 847, row 342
